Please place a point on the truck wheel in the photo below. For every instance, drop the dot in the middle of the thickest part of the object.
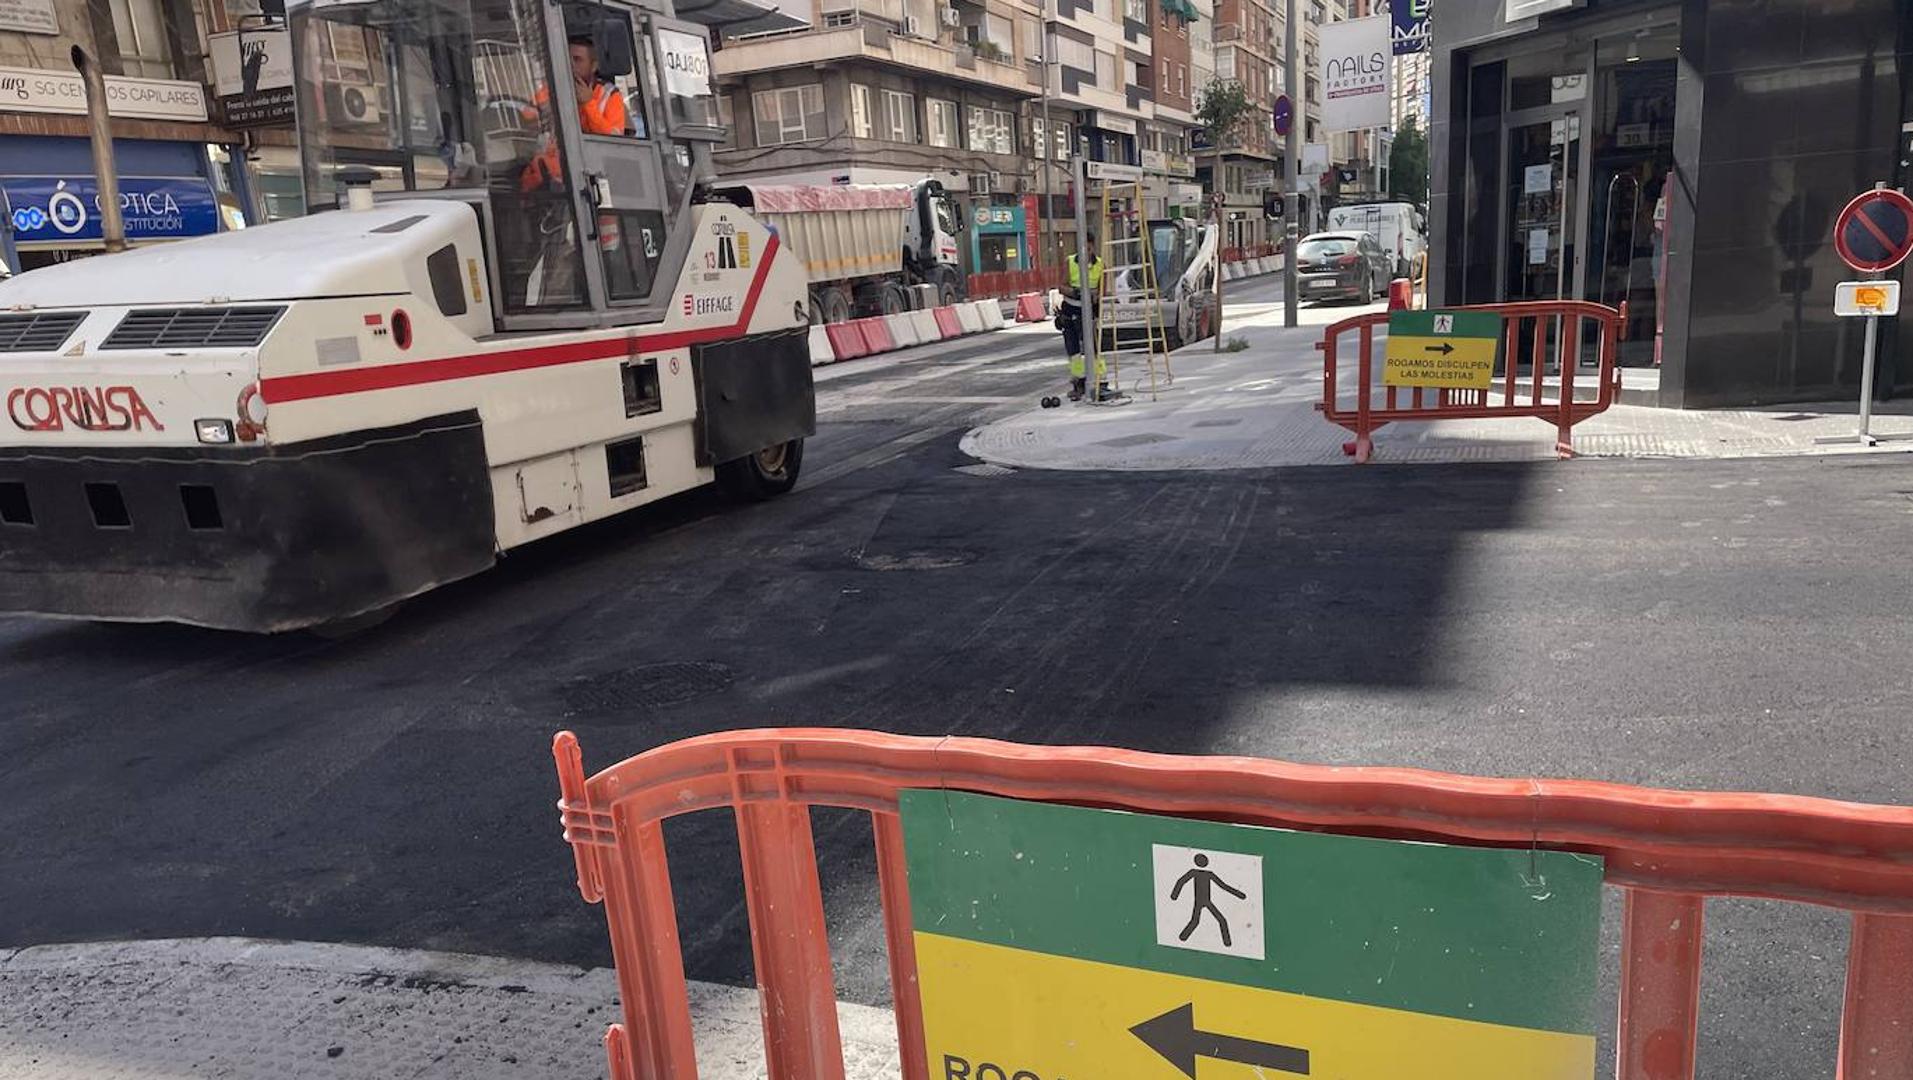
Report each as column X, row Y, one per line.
column 769, row 472
column 816, row 308
column 836, row 306
column 893, row 300
column 945, row 281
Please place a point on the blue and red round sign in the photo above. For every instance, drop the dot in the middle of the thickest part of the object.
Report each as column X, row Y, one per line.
column 1284, row 115
column 1875, row 231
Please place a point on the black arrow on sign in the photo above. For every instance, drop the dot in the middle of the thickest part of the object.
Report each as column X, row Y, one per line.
column 1444, row 348
column 1174, row 1036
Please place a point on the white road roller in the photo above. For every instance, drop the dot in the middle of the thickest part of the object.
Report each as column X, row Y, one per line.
column 524, row 316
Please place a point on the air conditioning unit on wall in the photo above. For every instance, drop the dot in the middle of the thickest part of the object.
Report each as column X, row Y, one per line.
column 984, row 183
column 911, row 27
column 950, row 17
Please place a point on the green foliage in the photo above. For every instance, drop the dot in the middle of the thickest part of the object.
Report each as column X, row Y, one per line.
column 1223, row 107
column 1408, row 165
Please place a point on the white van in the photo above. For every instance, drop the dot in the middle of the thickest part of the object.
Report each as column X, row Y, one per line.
column 1397, row 226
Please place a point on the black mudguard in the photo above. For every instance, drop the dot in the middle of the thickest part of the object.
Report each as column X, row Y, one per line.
column 306, row 533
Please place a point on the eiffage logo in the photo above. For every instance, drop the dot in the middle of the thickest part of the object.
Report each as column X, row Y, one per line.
column 98, row 408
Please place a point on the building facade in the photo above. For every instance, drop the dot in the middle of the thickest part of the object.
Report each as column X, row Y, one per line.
column 183, row 172
column 1686, row 158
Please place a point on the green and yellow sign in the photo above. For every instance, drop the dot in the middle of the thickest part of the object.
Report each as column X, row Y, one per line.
column 1059, row 943
column 1455, row 349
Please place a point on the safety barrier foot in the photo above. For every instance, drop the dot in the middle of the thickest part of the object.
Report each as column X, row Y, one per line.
column 617, row 1052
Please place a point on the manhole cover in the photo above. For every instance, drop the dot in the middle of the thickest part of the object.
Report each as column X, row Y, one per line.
column 639, row 690
column 914, row 560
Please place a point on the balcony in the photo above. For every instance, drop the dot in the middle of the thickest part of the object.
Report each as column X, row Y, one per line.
column 876, row 42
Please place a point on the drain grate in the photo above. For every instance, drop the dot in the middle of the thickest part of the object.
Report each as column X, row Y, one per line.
column 636, row 691
column 1217, row 423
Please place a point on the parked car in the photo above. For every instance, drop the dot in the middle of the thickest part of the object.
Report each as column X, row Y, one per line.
column 1398, row 227
column 1341, row 266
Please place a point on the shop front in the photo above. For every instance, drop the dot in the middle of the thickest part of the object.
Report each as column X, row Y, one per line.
column 999, row 238
column 1684, row 159
column 50, row 199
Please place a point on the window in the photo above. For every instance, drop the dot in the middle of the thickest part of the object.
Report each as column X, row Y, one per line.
column 1106, row 71
column 943, row 122
column 726, row 116
column 793, row 114
column 837, row 20
column 899, row 117
column 142, row 34
column 860, row 126
column 992, row 131
column 1077, row 54
column 1136, row 11
column 1059, row 145
column 1225, row 63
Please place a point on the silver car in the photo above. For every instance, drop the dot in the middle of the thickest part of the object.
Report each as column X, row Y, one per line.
column 1341, row 266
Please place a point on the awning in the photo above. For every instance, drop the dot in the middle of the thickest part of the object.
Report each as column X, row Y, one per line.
column 735, row 17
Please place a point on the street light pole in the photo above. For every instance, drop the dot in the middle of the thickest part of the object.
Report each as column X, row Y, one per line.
column 1291, row 200
column 1045, row 153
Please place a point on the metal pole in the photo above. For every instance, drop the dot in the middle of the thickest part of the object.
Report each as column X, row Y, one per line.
column 1291, row 200
column 100, row 123
column 1866, row 382
column 1085, row 296
column 1221, row 227
column 1045, row 154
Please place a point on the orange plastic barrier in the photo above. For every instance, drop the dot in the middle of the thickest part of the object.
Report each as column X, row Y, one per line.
column 1540, row 335
column 847, row 340
column 1029, row 308
column 877, row 335
column 1401, row 294
column 1666, row 849
column 948, row 324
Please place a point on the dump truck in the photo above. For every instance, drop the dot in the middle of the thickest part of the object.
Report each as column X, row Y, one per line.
column 866, row 248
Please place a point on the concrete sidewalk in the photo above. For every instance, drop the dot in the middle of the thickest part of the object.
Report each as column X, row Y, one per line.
column 232, row 1007
column 1256, row 409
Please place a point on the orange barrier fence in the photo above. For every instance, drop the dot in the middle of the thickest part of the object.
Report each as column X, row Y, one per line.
column 1549, row 338
column 1667, row 850
column 1005, row 284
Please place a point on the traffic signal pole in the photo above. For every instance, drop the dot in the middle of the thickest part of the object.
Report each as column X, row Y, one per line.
column 1291, row 199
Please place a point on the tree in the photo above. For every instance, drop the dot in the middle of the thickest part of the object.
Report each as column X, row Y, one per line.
column 1221, row 110
column 1408, row 165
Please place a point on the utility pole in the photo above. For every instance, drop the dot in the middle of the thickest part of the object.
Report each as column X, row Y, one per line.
column 1291, row 202
column 1221, row 239
column 1045, row 153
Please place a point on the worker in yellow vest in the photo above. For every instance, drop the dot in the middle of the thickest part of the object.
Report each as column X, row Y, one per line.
column 1070, row 321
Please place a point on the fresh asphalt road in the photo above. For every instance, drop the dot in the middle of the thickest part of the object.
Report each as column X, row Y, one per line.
column 1710, row 625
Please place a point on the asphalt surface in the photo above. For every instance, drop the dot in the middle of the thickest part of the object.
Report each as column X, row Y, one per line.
column 1733, row 625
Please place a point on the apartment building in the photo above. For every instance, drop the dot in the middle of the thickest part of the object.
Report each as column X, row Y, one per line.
column 184, row 170
column 893, row 91
column 1246, row 45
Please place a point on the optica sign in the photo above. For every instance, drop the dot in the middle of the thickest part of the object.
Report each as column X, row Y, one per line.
column 60, row 210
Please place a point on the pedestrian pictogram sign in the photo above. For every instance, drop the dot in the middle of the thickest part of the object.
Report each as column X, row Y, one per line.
column 1188, row 889
column 1875, row 231
column 1455, row 349
column 1062, row 943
